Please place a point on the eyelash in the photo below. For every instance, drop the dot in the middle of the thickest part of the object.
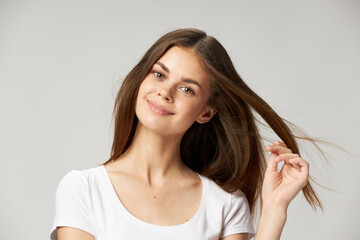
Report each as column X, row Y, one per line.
column 156, row 73
column 190, row 91
column 187, row 91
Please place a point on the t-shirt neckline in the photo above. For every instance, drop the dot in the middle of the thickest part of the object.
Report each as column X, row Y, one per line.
column 193, row 220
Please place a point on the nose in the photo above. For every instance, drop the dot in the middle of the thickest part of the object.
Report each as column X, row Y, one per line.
column 165, row 92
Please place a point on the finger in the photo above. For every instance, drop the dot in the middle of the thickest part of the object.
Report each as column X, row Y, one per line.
column 304, row 165
column 278, row 149
column 272, row 165
column 286, row 157
column 304, row 170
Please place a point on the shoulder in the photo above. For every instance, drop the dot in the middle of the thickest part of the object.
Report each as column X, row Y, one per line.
column 231, row 208
column 220, row 195
column 230, row 204
column 73, row 201
column 75, row 177
column 77, row 180
column 82, row 174
column 238, row 197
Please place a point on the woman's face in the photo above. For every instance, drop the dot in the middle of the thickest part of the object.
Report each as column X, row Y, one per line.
column 174, row 94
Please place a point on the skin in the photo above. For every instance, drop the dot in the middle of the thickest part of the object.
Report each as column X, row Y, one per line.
column 155, row 169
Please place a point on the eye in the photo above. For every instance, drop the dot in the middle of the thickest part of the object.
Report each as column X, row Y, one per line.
column 187, row 90
column 159, row 75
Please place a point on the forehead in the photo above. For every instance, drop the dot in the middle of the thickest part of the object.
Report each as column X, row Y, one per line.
column 185, row 62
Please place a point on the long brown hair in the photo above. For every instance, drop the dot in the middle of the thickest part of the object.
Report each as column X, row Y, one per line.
column 227, row 149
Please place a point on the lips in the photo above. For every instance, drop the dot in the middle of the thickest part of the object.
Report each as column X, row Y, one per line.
column 158, row 108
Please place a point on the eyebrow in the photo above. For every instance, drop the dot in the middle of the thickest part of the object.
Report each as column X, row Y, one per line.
column 188, row 80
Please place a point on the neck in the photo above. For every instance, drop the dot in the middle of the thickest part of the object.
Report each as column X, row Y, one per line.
column 153, row 157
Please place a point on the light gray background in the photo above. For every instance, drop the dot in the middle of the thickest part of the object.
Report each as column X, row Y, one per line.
column 61, row 63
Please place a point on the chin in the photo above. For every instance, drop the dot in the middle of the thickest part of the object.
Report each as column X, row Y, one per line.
column 158, row 127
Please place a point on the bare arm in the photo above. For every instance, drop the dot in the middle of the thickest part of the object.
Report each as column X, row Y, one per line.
column 279, row 189
column 239, row 236
column 69, row 233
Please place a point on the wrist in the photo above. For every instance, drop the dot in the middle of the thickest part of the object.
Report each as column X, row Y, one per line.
column 276, row 205
column 272, row 221
column 274, row 211
column 274, row 214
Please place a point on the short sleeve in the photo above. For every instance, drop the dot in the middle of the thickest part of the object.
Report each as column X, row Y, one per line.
column 238, row 219
column 72, row 204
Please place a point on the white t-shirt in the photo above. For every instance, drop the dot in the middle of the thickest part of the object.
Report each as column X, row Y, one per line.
column 86, row 200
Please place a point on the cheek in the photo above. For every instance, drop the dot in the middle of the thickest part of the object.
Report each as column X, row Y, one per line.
column 146, row 87
column 193, row 109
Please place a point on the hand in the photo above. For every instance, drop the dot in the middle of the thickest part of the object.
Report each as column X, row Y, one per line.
column 280, row 188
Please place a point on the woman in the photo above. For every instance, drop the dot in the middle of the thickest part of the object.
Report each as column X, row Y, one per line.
column 187, row 159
